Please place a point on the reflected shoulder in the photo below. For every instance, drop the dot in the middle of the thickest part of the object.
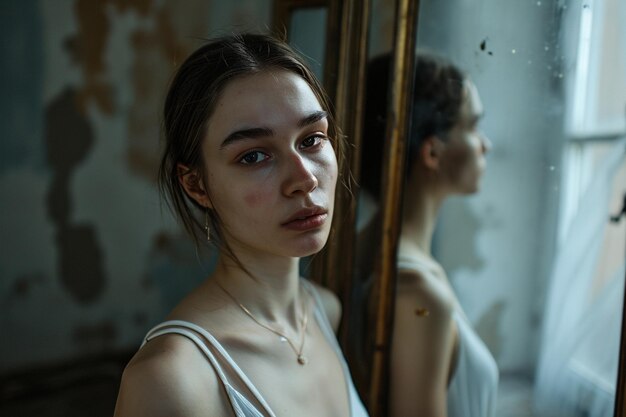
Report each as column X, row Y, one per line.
column 423, row 290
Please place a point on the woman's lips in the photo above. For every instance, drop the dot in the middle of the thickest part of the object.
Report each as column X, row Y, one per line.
column 307, row 223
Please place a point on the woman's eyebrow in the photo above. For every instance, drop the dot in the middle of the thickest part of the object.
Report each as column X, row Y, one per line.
column 259, row 132
column 312, row 118
column 252, row 133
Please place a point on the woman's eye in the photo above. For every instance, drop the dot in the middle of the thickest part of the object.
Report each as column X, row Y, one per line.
column 311, row 141
column 253, row 158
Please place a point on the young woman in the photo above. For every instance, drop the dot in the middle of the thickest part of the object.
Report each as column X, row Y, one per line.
column 250, row 164
column 439, row 365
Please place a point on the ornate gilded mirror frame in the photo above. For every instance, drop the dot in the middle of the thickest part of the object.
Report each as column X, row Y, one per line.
column 393, row 167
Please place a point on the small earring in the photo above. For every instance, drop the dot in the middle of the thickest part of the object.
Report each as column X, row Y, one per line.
column 206, row 225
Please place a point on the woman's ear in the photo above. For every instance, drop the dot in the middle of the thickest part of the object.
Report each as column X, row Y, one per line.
column 192, row 183
column 431, row 152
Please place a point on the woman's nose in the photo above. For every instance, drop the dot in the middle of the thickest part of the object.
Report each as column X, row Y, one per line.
column 299, row 176
column 486, row 144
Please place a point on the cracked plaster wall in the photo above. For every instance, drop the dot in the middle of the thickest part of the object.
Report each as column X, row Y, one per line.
column 89, row 259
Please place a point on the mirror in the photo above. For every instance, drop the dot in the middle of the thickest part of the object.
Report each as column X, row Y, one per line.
column 532, row 257
column 552, row 84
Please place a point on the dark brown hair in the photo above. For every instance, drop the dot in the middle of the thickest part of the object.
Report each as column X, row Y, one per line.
column 190, row 102
column 437, row 100
column 436, row 105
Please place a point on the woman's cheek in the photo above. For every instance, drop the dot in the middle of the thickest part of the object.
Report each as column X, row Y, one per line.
column 332, row 168
column 256, row 197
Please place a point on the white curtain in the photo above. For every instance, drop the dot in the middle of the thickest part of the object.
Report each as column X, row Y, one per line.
column 578, row 358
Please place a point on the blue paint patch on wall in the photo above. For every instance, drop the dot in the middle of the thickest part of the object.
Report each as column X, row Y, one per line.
column 21, row 83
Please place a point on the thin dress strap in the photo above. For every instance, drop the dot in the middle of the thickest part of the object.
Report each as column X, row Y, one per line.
column 188, row 330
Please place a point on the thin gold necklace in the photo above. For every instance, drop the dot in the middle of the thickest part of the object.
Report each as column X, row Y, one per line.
column 302, row 360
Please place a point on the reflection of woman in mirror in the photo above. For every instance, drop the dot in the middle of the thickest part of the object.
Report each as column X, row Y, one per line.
column 439, row 365
column 250, row 164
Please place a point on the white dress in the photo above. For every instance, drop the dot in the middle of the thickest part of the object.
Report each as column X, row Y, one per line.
column 474, row 385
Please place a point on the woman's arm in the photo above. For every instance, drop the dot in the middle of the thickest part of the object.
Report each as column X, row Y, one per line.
column 422, row 347
column 164, row 380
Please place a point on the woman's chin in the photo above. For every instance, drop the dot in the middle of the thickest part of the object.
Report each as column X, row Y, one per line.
column 307, row 247
column 472, row 187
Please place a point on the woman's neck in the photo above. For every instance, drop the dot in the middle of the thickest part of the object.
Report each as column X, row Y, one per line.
column 269, row 287
column 421, row 207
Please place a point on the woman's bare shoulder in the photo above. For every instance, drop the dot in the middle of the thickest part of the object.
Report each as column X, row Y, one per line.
column 426, row 291
column 169, row 377
column 331, row 305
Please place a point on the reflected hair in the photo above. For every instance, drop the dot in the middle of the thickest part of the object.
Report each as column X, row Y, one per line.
column 190, row 102
column 435, row 109
column 436, row 102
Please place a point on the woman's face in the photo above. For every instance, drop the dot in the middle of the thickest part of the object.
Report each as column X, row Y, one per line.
column 271, row 169
column 463, row 160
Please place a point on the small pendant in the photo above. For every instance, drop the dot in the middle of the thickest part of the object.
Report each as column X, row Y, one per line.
column 302, row 360
column 283, row 339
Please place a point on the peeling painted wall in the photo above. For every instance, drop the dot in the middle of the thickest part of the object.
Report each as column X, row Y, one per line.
column 89, row 258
